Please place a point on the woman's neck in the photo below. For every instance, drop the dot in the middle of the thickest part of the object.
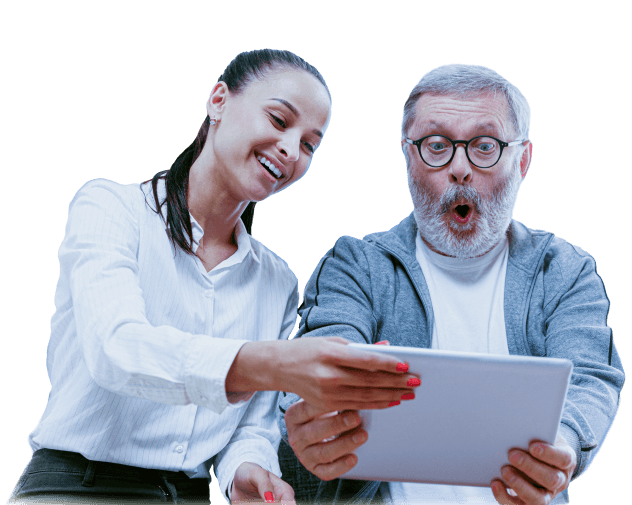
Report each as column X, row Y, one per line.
column 211, row 204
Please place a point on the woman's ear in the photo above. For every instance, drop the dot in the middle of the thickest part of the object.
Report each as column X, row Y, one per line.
column 217, row 100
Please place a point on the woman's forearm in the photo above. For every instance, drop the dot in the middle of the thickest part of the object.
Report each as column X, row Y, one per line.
column 256, row 367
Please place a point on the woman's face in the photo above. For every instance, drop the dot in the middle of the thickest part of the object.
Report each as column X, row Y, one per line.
column 268, row 133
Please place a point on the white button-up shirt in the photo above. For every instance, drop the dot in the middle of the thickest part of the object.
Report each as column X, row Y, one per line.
column 143, row 337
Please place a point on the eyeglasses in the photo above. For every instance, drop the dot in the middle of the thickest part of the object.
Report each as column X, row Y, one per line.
column 483, row 152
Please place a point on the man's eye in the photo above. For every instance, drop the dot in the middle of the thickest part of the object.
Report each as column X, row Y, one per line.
column 437, row 146
column 279, row 121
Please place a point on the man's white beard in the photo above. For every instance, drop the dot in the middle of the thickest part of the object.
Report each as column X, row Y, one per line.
column 481, row 233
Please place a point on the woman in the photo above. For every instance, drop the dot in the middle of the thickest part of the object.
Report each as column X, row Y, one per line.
column 170, row 315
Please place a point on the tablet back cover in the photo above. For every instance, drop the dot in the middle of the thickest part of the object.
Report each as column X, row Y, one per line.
column 468, row 412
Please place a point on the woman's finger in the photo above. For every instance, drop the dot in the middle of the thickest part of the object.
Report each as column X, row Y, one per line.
column 283, row 492
column 371, row 361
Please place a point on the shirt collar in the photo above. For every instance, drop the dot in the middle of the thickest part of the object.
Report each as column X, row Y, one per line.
column 242, row 238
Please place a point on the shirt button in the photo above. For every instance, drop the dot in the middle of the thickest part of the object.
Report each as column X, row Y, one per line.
column 179, row 449
column 208, row 293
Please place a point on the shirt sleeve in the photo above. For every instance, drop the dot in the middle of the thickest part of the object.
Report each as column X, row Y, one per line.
column 123, row 352
column 257, row 437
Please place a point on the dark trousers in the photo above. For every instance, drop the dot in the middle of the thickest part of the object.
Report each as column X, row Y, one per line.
column 67, row 477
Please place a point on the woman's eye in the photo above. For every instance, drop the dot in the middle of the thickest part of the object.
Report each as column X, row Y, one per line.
column 310, row 148
column 279, row 121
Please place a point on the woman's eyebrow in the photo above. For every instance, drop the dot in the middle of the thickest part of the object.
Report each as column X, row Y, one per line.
column 288, row 105
column 296, row 113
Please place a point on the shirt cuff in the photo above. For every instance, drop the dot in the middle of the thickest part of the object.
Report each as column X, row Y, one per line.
column 208, row 364
column 226, row 472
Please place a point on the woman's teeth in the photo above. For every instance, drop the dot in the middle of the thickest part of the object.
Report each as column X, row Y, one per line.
column 271, row 168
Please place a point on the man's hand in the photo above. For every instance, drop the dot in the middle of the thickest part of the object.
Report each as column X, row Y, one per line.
column 324, row 444
column 253, row 484
column 536, row 476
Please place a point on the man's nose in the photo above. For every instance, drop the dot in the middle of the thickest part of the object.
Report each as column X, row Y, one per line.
column 460, row 169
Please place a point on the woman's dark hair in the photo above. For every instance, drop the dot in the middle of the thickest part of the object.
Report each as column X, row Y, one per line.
column 245, row 68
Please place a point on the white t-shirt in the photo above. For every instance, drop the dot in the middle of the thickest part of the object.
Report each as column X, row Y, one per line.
column 467, row 299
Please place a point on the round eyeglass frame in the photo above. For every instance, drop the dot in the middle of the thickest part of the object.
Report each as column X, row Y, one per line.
column 466, row 143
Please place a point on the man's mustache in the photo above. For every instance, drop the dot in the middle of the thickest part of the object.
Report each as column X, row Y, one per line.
column 455, row 193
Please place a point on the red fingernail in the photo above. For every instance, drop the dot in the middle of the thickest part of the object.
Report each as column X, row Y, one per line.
column 413, row 382
column 392, row 404
column 408, row 396
column 269, row 497
column 381, row 342
column 401, row 367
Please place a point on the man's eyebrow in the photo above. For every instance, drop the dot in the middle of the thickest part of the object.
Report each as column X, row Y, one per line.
column 288, row 105
column 488, row 127
column 440, row 126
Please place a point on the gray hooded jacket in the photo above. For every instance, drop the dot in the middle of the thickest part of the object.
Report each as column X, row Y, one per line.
column 555, row 305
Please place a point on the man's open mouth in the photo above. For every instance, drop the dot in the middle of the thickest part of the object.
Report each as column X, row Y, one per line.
column 269, row 166
column 462, row 210
column 462, row 213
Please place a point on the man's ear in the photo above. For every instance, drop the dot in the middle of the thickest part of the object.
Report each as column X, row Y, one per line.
column 217, row 100
column 525, row 161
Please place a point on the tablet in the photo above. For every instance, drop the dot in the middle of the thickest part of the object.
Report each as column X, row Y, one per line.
column 468, row 412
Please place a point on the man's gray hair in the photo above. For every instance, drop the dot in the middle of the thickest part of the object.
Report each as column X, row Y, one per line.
column 465, row 80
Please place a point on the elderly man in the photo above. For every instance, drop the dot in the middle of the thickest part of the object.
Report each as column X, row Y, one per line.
column 459, row 274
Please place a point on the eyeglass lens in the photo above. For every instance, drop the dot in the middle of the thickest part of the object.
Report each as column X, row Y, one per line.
column 437, row 150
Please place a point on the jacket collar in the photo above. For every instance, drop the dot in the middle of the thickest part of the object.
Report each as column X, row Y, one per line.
column 526, row 246
column 527, row 249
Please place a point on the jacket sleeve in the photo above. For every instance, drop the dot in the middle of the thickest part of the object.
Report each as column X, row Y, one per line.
column 336, row 302
column 576, row 329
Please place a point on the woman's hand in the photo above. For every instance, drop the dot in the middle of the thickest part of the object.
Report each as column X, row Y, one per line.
column 253, row 484
column 325, row 372
column 536, row 476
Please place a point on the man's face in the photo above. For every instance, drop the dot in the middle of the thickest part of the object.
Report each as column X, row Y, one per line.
column 461, row 210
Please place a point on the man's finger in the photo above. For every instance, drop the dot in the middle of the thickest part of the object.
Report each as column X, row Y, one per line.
column 540, row 473
column 335, row 469
column 302, row 412
column 525, row 490
column 560, row 456
column 502, row 496
column 328, row 452
column 324, row 428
